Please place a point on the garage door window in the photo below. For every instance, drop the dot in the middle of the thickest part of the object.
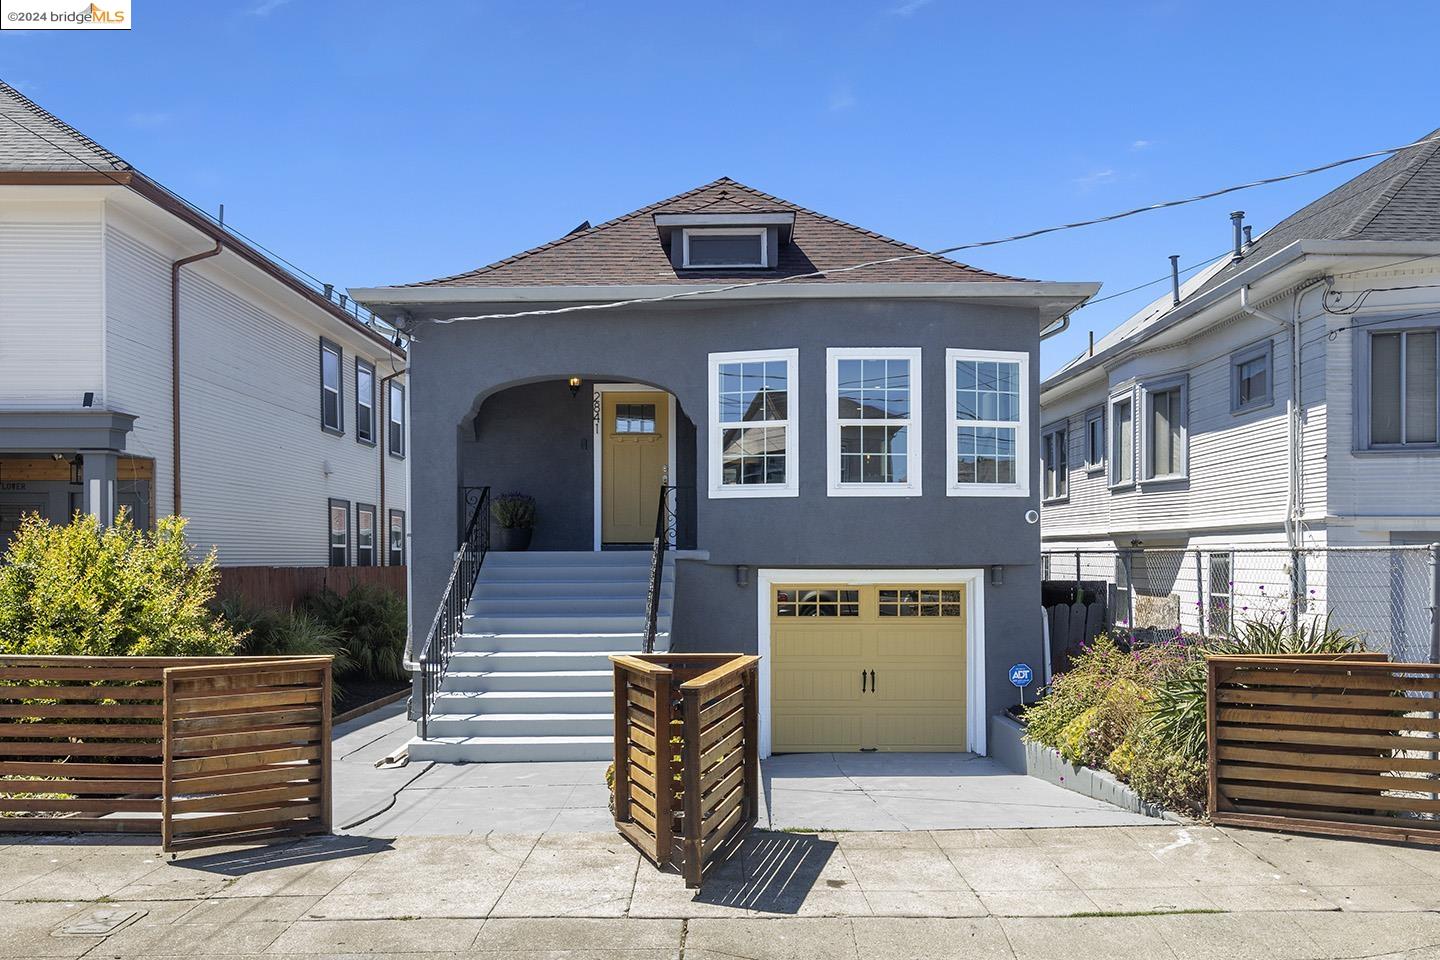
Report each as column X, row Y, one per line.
column 817, row 602
column 920, row 602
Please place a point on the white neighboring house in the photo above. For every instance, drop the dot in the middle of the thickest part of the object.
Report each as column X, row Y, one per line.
column 1290, row 398
column 291, row 438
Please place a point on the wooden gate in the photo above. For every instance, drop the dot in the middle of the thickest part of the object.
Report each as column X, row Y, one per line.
column 1334, row 745
column 147, row 744
column 687, row 762
column 247, row 752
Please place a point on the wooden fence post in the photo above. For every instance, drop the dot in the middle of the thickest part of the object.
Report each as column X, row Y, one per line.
column 167, row 772
column 327, row 809
column 664, row 770
column 690, row 771
column 1212, row 714
column 752, row 744
column 622, row 745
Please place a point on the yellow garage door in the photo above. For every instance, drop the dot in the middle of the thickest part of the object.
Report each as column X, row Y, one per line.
column 872, row 667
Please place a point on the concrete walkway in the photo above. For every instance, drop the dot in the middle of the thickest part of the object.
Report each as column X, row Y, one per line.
column 877, row 791
column 1143, row 892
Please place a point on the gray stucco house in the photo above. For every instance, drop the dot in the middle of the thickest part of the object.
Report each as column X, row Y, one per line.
column 854, row 451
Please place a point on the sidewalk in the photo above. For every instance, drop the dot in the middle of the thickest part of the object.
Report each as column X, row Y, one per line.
column 1157, row 891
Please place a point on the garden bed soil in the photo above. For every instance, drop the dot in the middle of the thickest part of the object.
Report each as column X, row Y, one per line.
column 357, row 695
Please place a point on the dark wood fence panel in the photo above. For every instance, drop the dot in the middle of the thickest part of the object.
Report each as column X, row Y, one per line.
column 1333, row 745
column 284, row 586
column 690, row 802
column 247, row 752
column 101, row 743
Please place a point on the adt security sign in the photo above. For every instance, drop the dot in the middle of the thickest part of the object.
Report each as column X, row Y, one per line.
column 1022, row 676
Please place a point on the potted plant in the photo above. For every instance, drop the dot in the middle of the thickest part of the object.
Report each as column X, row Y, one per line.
column 514, row 515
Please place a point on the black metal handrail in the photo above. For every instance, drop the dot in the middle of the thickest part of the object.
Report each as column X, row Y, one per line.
column 665, row 531
column 450, row 614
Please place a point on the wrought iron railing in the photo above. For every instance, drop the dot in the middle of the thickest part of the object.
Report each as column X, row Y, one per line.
column 666, row 527
column 450, row 615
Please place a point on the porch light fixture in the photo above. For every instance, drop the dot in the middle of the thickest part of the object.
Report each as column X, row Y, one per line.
column 574, row 386
column 997, row 575
column 742, row 575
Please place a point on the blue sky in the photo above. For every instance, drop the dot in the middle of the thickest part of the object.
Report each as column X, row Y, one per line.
column 376, row 143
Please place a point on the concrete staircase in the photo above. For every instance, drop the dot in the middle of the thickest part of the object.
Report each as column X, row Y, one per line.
column 531, row 677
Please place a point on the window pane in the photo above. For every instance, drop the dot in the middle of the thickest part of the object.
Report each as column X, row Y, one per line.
column 1253, row 378
column 1163, row 455
column 330, row 368
column 752, row 455
column 987, row 390
column 725, row 249
column 1385, row 388
column 1122, row 442
column 1420, row 387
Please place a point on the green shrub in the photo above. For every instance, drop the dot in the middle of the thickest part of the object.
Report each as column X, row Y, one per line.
column 370, row 624
column 512, row 510
column 75, row 589
column 283, row 633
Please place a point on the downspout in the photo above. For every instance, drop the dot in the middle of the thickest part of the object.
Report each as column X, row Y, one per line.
column 1292, row 414
column 382, row 439
column 175, row 363
column 1056, row 328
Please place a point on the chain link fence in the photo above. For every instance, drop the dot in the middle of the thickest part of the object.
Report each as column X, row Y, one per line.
column 1388, row 594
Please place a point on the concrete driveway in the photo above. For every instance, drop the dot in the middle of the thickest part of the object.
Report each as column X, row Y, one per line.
column 828, row 791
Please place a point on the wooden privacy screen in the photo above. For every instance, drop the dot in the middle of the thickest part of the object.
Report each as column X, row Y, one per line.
column 1329, row 745
column 247, row 752
column 687, row 768
column 118, row 744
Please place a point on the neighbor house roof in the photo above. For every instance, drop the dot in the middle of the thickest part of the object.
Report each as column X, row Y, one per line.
column 1398, row 199
column 36, row 147
column 627, row 250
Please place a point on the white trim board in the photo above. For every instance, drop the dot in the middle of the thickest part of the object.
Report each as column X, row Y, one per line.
column 973, row 579
column 596, row 389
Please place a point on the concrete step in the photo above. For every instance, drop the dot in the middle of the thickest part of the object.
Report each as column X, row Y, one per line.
column 469, row 702
column 547, row 680
column 550, row 624
column 522, row 661
column 511, row 749
column 574, row 558
column 628, row 641
column 566, row 587
column 522, row 725
column 629, row 606
column 623, row 573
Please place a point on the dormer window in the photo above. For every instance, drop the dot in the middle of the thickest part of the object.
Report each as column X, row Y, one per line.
column 712, row 247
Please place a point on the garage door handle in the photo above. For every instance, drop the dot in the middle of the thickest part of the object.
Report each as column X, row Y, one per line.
column 872, row 681
column 862, row 681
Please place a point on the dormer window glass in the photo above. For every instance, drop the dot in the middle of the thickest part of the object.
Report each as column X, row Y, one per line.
column 710, row 248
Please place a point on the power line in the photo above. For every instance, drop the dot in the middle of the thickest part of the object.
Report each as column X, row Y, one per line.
column 934, row 254
column 1150, row 283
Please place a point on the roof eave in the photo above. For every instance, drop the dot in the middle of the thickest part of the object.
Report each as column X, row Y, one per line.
column 1054, row 298
column 1273, row 268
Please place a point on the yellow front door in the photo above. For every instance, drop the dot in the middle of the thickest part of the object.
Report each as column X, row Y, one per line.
column 634, row 451
column 868, row 667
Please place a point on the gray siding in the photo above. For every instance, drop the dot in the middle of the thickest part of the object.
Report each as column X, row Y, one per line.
column 456, row 366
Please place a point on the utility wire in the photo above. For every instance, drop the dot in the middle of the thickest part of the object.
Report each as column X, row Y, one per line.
column 935, row 254
column 1151, row 283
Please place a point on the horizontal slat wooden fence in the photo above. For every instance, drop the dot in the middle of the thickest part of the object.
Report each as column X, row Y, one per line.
column 109, row 743
column 687, row 769
column 283, row 587
column 1334, row 745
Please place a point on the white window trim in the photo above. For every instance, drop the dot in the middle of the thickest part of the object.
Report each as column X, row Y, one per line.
column 1092, row 416
column 1023, row 439
column 913, row 441
column 1046, row 432
column 972, row 579
column 761, row 232
column 1112, row 464
column 1147, row 394
column 791, row 486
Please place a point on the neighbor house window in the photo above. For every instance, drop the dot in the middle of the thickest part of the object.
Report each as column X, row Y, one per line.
column 1122, row 440
column 1095, row 440
column 396, row 421
column 1164, row 430
column 397, row 538
column 1054, row 459
column 987, row 394
column 1220, row 611
column 364, row 535
column 364, row 402
column 1404, row 389
column 872, row 399
column 339, row 533
column 1252, row 379
column 725, row 247
column 332, row 417
column 752, row 446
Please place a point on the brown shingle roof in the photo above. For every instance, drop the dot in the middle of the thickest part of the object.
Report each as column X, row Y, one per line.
column 627, row 250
